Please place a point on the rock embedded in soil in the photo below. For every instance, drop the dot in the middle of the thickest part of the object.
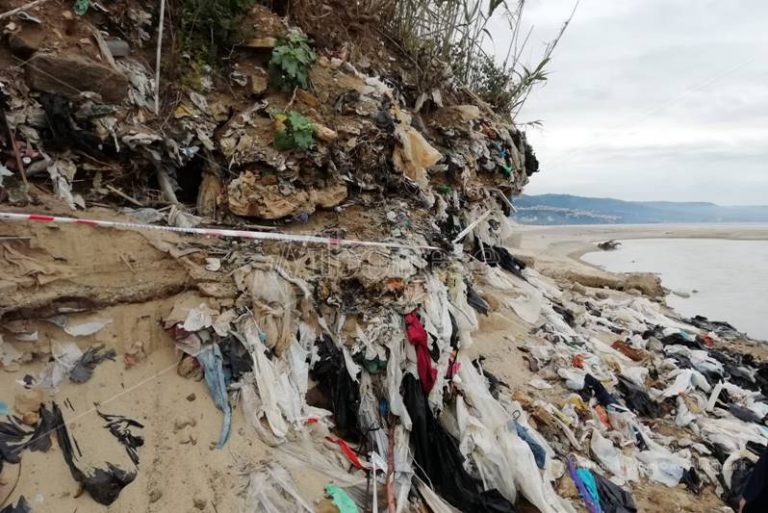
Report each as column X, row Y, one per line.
column 72, row 74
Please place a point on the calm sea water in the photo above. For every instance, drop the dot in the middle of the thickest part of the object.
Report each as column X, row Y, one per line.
column 727, row 279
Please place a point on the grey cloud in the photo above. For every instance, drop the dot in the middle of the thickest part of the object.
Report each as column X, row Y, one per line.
column 643, row 93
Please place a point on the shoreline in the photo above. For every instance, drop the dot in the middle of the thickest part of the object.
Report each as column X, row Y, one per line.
column 574, row 241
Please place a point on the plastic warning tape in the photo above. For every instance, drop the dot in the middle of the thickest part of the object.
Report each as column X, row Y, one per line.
column 210, row 232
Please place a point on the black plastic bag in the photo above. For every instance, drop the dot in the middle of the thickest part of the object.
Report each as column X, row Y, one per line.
column 22, row 506
column 499, row 256
column 120, row 427
column 83, row 369
column 334, row 382
column 593, row 386
column 614, row 499
column 638, row 399
column 439, row 461
column 476, row 301
column 104, row 485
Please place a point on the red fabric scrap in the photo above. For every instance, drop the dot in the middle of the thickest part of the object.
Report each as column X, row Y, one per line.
column 348, row 452
column 417, row 336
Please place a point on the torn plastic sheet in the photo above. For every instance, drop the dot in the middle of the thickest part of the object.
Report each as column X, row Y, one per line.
column 83, row 369
column 435, row 503
column 509, row 457
column 86, row 328
column 62, row 172
column 341, row 499
column 271, row 393
column 271, row 489
column 612, row 459
column 103, row 484
column 65, row 357
column 395, row 378
column 439, row 460
column 333, row 379
column 663, row 466
column 211, row 360
column 120, row 427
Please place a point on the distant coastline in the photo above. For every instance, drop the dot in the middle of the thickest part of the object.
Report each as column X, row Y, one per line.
column 564, row 209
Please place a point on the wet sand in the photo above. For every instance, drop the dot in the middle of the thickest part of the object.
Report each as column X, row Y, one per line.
column 576, row 240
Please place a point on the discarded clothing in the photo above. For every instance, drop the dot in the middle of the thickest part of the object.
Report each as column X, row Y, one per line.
column 613, row 498
column 211, row 360
column 638, row 399
column 104, row 485
column 627, row 350
column 590, row 496
column 593, row 386
column 539, row 454
column 590, row 487
column 744, row 414
column 721, row 329
column 439, row 461
column 497, row 256
column 691, row 480
column 83, row 369
column 417, row 336
column 566, row 314
column 337, row 386
column 755, row 491
column 680, row 339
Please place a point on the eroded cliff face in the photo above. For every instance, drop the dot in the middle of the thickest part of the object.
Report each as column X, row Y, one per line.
column 80, row 99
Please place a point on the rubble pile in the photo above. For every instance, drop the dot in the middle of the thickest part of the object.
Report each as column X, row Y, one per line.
column 344, row 376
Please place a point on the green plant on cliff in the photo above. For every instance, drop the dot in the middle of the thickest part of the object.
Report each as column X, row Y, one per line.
column 210, row 28
column 291, row 60
column 457, row 33
column 293, row 131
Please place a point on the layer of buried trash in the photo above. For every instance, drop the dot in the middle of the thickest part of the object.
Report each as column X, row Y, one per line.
column 376, row 391
column 355, row 364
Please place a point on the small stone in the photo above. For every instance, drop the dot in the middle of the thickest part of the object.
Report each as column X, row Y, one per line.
column 154, row 496
column 30, row 418
column 307, row 98
column 259, row 84
column 325, row 134
column 262, row 43
column 26, row 42
column 180, row 424
column 200, row 503
column 191, row 397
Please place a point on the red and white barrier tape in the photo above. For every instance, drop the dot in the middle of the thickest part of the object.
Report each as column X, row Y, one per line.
column 210, row 232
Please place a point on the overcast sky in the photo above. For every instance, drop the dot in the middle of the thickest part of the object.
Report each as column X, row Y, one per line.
column 653, row 100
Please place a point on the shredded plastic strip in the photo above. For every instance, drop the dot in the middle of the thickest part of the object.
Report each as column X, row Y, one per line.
column 211, row 232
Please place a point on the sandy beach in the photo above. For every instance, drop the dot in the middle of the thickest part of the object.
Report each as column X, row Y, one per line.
column 575, row 240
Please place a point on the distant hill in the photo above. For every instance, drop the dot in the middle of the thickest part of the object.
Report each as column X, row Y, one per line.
column 566, row 209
